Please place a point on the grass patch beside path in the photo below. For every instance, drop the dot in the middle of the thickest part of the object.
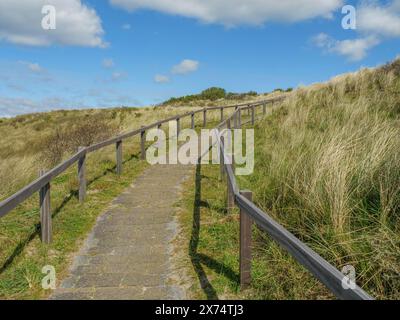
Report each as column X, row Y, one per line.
column 212, row 239
column 22, row 255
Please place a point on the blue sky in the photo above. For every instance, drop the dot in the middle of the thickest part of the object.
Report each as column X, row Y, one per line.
column 140, row 52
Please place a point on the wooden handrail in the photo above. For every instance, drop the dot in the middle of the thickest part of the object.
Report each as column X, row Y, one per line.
column 17, row 198
column 318, row 266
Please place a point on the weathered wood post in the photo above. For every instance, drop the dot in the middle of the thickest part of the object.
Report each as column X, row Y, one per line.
column 222, row 114
column 239, row 118
column 45, row 212
column 178, row 126
column 230, row 193
column 235, row 118
column 245, row 244
column 253, row 116
column 118, row 146
column 204, row 117
column 192, row 120
column 143, row 145
column 221, row 160
column 82, row 175
column 264, row 108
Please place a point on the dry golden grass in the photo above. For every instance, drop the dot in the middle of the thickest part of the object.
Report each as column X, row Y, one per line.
column 328, row 168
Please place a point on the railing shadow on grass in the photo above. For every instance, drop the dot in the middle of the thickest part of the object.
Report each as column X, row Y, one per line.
column 199, row 259
column 36, row 230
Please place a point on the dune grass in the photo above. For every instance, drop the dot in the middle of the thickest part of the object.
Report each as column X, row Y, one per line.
column 25, row 151
column 328, row 169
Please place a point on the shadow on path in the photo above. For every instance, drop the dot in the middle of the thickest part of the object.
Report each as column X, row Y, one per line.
column 199, row 259
column 36, row 229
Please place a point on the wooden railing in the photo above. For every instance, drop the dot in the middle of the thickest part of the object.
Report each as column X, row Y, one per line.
column 42, row 185
column 249, row 213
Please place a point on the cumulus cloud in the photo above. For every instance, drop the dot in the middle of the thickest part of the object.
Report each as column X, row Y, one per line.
column 76, row 23
column 33, row 67
column 159, row 78
column 375, row 23
column 235, row 12
column 185, row 67
column 354, row 49
column 379, row 20
column 108, row 63
column 11, row 106
column 116, row 76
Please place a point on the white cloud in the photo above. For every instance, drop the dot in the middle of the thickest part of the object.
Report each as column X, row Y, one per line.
column 234, row 12
column 126, row 26
column 159, row 78
column 375, row 23
column 186, row 66
column 354, row 49
column 10, row 106
column 76, row 23
column 108, row 63
column 379, row 20
column 118, row 76
column 33, row 67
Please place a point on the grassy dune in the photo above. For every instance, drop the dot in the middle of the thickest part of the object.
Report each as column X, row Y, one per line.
column 36, row 141
column 328, row 169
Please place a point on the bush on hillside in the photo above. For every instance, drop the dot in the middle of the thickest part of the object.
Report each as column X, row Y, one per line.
column 67, row 140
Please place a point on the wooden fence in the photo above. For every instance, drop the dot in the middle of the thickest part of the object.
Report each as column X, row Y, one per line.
column 249, row 212
column 43, row 184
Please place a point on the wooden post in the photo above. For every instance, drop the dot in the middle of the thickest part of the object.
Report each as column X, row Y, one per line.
column 253, row 118
column 222, row 114
column 230, row 194
column 221, row 160
column 248, row 111
column 178, row 126
column 143, row 145
column 192, row 119
column 82, row 176
column 240, row 118
column 119, row 157
column 204, row 118
column 230, row 199
column 228, row 124
column 45, row 212
column 264, row 108
column 235, row 118
column 245, row 244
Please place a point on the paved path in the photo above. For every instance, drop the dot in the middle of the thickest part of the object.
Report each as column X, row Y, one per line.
column 128, row 253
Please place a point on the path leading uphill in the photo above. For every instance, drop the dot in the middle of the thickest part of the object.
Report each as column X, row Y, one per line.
column 128, row 254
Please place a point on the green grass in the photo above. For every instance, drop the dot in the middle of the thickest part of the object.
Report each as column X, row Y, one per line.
column 23, row 255
column 327, row 168
column 212, row 240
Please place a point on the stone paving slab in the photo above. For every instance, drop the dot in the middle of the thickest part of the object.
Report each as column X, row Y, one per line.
column 128, row 254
